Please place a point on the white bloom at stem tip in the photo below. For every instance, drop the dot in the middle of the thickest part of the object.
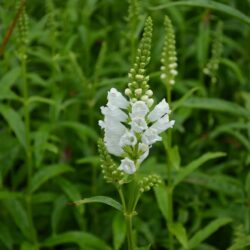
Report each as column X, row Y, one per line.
column 115, row 98
column 163, row 124
column 138, row 124
column 127, row 166
column 159, row 110
column 139, row 109
column 128, row 139
column 150, row 136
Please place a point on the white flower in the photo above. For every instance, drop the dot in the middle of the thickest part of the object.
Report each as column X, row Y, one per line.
column 150, row 136
column 144, row 150
column 127, row 166
column 114, row 113
column 128, row 139
column 138, row 124
column 139, row 109
column 113, row 130
column 115, row 98
column 112, row 145
column 163, row 124
column 159, row 110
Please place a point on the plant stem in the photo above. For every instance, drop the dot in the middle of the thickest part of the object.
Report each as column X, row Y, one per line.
column 128, row 220
column 128, row 214
column 28, row 148
column 169, row 173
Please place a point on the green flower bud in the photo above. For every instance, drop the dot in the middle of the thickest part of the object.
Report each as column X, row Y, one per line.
column 146, row 183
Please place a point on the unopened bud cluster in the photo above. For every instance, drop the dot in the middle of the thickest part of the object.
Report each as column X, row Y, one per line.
column 146, row 183
column 138, row 88
column 110, row 171
column 169, row 58
column 23, row 33
column 213, row 64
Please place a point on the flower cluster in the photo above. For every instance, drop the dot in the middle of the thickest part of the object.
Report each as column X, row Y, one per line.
column 131, row 127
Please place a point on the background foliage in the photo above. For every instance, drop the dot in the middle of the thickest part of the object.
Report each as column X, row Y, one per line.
column 76, row 50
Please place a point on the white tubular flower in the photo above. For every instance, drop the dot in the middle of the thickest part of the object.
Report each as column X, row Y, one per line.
column 139, row 109
column 115, row 98
column 112, row 145
column 127, row 166
column 138, row 124
column 150, row 136
column 114, row 113
column 144, row 151
column 163, row 124
column 128, row 139
column 159, row 110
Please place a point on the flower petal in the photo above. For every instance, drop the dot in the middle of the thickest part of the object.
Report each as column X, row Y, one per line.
column 127, row 166
column 115, row 98
column 159, row 110
column 163, row 124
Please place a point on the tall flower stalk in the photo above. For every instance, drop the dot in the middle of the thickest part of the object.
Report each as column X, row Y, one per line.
column 22, row 54
column 169, row 72
column 131, row 126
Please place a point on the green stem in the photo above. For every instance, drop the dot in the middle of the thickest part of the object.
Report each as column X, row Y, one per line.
column 169, row 173
column 170, row 215
column 28, row 148
column 128, row 220
column 128, row 214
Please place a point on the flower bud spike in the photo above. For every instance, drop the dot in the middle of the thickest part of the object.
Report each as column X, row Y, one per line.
column 169, row 59
column 137, row 73
column 212, row 66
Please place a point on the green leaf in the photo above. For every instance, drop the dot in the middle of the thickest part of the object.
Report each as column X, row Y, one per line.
column 144, row 248
column 233, row 67
column 6, row 236
column 99, row 199
column 119, row 231
column 204, row 233
column 41, row 138
column 58, row 213
column 19, row 215
column 191, row 167
column 46, row 173
column 219, row 183
column 161, row 198
column 216, row 105
column 15, row 122
column 41, row 100
column 28, row 246
column 179, row 103
column 84, row 240
column 6, row 82
column 178, row 230
column 81, row 129
column 44, row 197
column 6, row 195
column 207, row 4
column 241, row 243
column 70, row 190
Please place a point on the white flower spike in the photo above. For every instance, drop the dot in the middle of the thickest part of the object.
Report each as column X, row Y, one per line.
column 132, row 127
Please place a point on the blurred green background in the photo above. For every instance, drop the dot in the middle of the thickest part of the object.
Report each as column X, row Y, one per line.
column 55, row 71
